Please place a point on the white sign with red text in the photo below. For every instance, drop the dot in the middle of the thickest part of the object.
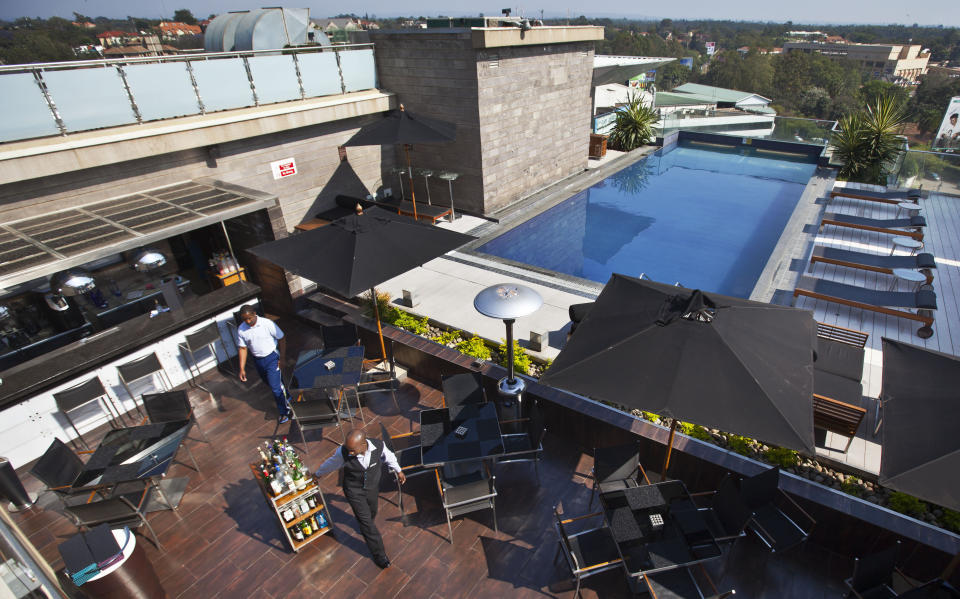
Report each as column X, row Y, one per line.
column 283, row 168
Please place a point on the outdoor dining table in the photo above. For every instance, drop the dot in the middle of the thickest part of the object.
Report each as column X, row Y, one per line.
column 657, row 528
column 332, row 370
column 138, row 453
column 440, row 442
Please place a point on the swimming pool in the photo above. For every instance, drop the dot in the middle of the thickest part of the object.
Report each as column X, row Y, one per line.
column 706, row 217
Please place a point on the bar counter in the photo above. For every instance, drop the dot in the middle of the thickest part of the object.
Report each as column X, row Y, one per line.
column 26, row 380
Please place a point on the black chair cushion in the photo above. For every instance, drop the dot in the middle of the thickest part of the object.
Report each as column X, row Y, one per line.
column 594, row 547
column 761, row 489
column 838, row 358
column 58, row 466
column 315, row 409
column 460, row 389
column 616, row 463
column 837, row 387
column 926, row 299
column 167, row 407
column 341, row 335
column 108, row 510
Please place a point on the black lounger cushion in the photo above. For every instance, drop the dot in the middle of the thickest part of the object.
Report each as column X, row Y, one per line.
column 926, row 299
column 926, row 260
column 918, row 221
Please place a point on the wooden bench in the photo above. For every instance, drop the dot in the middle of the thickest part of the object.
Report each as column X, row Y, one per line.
column 837, row 417
column 842, row 335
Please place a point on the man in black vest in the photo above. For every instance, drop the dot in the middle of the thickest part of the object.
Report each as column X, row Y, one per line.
column 361, row 460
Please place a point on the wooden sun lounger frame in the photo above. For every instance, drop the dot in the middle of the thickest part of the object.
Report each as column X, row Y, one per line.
column 927, row 272
column 856, row 194
column 914, row 233
column 924, row 332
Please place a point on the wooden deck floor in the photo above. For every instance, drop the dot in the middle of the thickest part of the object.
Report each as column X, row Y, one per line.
column 224, row 542
column 942, row 239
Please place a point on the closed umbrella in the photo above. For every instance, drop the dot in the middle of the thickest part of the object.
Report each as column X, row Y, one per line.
column 920, row 394
column 403, row 127
column 723, row 362
column 360, row 251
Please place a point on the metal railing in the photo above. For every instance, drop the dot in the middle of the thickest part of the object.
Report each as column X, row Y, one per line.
column 47, row 99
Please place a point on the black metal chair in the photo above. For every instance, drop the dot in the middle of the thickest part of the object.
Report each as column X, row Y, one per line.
column 143, row 367
column 616, row 468
column 726, row 514
column 58, row 468
column 117, row 511
column 770, row 521
column 85, row 394
column 526, row 446
column 376, row 379
column 314, row 414
column 341, row 335
column 588, row 551
column 467, row 493
column 461, row 389
column 677, row 584
column 409, row 458
column 170, row 406
column 873, row 575
column 206, row 337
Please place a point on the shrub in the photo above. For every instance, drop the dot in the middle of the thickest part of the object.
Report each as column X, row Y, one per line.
column 474, row 346
column 448, row 338
column 388, row 313
column 739, row 444
column 950, row 520
column 651, row 417
column 851, row 486
column 699, row 432
column 867, row 142
column 785, row 458
column 634, row 125
column 521, row 361
column 907, row 504
column 411, row 323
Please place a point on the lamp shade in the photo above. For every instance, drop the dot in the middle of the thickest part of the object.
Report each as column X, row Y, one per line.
column 149, row 259
column 74, row 281
column 507, row 301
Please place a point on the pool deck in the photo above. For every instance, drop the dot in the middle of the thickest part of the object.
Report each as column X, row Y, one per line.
column 444, row 288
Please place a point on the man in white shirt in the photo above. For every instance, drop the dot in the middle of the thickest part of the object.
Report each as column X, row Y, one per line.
column 264, row 339
column 361, row 459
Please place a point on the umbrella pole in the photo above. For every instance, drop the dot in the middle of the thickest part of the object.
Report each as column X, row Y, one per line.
column 376, row 313
column 666, row 461
column 413, row 196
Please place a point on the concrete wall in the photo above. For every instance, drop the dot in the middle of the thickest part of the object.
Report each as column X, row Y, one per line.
column 522, row 111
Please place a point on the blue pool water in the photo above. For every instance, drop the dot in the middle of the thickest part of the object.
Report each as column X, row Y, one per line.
column 705, row 217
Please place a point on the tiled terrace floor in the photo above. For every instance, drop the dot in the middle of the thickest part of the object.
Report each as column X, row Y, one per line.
column 224, row 541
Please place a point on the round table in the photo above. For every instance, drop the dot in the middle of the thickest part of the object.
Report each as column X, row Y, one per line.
column 907, row 243
column 912, row 208
column 132, row 576
column 909, row 275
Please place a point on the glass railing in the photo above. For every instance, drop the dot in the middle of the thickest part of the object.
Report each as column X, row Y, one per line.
column 61, row 98
column 750, row 124
column 807, row 131
column 936, row 171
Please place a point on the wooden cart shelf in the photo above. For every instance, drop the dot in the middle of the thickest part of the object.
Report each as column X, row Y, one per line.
column 279, row 502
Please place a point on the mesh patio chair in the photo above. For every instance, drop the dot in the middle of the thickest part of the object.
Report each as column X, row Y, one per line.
column 85, row 394
column 141, row 368
column 873, row 575
column 117, row 512
column 380, row 376
column 467, row 493
column 769, row 504
column 588, row 551
column 460, row 389
column 341, row 335
column 726, row 514
column 678, row 584
column 313, row 414
column 616, row 468
column 206, row 337
column 525, row 446
column 170, row 406
column 58, row 468
column 409, row 458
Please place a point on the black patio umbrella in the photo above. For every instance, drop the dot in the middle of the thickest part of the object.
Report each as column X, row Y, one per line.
column 920, row 452
column 402, row 127
column 360, row 251
column 723, row 362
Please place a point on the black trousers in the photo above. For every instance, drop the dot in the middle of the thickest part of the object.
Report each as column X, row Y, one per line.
column 364, row 504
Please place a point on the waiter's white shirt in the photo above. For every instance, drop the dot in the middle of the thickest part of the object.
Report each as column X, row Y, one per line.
column 261, row 339
column 335, row 461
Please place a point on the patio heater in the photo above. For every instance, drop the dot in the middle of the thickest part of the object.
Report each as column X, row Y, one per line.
column 508, row 301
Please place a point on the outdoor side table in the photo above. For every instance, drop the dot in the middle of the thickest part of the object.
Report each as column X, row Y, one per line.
column 132, row 576
column 311, row 373
column 440, row 444
column 908, row 275
column 907, row 243
column 912, row 208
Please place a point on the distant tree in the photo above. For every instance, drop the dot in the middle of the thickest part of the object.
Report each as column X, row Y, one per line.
column 671, row 75
column 183, row 15
column 34, row 46
column 874, row 89
column 931, row 100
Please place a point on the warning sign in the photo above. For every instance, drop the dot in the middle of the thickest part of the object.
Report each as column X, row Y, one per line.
column 283, row 168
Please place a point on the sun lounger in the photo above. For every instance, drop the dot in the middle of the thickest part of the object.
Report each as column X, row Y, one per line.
column 886, row 197
column 873, row 262
column 884, row 302
column 890, row 226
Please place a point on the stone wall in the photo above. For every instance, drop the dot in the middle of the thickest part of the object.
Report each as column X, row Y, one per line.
column 522, row 112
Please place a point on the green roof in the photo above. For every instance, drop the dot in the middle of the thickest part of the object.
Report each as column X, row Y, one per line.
column 715, row 94
column 672, row 99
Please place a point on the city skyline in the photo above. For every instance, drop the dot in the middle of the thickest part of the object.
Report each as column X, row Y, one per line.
column 823, row 12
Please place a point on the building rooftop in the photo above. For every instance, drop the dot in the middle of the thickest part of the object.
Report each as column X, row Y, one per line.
column 717, row 94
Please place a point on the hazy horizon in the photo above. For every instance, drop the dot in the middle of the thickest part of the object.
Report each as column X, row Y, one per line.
column 882, row 12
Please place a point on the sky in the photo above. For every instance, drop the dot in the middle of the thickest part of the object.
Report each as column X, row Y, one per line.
column 925, row 12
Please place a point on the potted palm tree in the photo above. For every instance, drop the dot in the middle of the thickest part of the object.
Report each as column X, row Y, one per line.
column 868, row 142
column 634, row 125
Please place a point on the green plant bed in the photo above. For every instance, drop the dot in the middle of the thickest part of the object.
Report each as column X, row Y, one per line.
column 476, row 347
column 907, row 504
column 785, row 458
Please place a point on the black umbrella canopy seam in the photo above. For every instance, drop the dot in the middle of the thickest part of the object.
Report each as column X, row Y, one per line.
column 754, row 380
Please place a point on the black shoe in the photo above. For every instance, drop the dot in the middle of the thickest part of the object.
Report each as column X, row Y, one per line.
column 383, row 563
